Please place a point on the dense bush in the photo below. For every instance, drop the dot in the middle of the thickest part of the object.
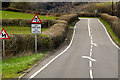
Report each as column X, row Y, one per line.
column 69, row 18
column 57, row 33
column 13, row 9
column 104, row 9
column 113, row 21
column 85, row 14
column 22, row 43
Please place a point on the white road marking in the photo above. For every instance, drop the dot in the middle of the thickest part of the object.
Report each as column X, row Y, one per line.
column 91, row 50
column 94, row 44
column 32, row 76
column 87, row 57
column 90, row 63
column 90, row 54
column 91, row 41
column 89, row 28
column 109, row 35
column 91, row 74
column 91, row 37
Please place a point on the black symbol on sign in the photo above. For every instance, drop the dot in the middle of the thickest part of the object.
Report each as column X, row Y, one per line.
column 3, row 35
column 36, row 19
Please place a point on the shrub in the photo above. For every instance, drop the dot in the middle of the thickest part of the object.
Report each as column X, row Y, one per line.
column 69, row 18
column 85, row 14
column 113, row 21
column 11, row 22
column 104, row 9
column 18, row 44
column 13, row 9
column 57, row 33
column 25, row 22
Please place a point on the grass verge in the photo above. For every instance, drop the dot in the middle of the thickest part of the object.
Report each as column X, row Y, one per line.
column 19, row 30
column 112, row 34
column 14, row 67
column 20, row 15
column 104, row 4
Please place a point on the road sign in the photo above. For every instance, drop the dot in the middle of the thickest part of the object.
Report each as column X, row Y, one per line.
column 36, row 28
column 36, row 19
column 96, row 11
column 4, row 35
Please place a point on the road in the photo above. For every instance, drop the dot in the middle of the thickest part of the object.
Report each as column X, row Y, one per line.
column 91, row 54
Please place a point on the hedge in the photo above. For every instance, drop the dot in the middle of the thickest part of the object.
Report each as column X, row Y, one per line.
column 113, row 21
column 25, row 22
column 32, row 12
column 69, row 18
column 85, row 14
column 57, row 33
column 22, row 43
column 50, row 39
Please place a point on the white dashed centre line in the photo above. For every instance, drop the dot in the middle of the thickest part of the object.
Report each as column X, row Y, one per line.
column 91, row 50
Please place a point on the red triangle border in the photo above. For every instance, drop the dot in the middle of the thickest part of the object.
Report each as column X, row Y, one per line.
column 38, row 18
column 6, row 34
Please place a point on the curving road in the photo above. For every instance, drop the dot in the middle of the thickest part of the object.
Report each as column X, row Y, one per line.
column 91, row 54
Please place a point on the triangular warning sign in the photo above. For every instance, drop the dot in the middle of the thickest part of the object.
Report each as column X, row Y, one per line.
column 36, row 19
column 4, row 35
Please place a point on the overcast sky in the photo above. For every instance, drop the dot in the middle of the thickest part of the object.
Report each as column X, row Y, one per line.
column 58, row 0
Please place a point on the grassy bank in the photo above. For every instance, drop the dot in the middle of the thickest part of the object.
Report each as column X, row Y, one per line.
column 14, row 67
column 19, row 30
column 19, row 15
column 104, row 4
column 114, row 37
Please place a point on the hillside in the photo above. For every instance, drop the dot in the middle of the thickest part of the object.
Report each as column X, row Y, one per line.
column 52, row 7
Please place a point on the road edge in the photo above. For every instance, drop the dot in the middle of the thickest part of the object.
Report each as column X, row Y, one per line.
column 108, row 34
column 49, row 62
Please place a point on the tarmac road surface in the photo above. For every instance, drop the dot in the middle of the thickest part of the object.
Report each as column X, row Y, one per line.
column 91, row 54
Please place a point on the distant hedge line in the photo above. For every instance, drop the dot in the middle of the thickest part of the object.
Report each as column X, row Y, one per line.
column 50, row 39
column 32, row 12
column 25, row 22
column 114, row 23
column 85, row 14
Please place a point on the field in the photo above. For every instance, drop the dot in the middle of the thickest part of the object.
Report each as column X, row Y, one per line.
column 19, row 15
column 104, row 4
column 12, row 68
column 19, row 30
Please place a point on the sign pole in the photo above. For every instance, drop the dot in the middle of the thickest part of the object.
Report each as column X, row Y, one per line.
column 3, row 48
column 36, row 28
column 36, row 43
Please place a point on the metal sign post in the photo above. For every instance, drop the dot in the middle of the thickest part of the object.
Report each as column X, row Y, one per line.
column 3, row 48
column 36, row 28
column 96, row 13
column 36, row 43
